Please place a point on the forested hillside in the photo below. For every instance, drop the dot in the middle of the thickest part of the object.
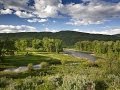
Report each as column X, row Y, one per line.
column 68, row 37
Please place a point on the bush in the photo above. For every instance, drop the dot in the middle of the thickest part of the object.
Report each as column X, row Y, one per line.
column 29, row 83
column 44, row 64
column 56, row 80
column 77, row 82
column 4, row 82
column 30, row 67
column 90, row 64
column 63, row 62
column 100, row 85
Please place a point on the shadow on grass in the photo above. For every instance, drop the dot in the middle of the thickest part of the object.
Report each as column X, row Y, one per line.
column 23, row 60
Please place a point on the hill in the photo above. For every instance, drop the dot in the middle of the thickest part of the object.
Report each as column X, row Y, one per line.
column 68, row 37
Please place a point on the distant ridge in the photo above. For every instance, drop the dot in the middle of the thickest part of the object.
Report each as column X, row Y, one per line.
column 68, row 37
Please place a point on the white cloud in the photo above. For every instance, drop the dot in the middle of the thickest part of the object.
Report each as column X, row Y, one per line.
column 24, row 14
column 41, row 8
column 77, row 30
column 85, row 21
column 92, row 13
column 107, row 31
column 15, row 29
column 36, row 20
column 20, row 7
column 6, row 11
column 47, row 8
column 50, row 30
column 15, row 4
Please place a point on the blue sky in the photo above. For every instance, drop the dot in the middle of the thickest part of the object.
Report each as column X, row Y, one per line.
column 92, row 16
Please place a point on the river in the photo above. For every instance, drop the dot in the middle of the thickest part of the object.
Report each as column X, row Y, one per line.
column 80, row 54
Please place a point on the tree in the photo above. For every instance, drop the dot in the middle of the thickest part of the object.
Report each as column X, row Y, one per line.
column 9, row 47
column 45, row 44
column 21, row 45
column 36, row 43
column 52, row 45
column 58, row 45
column 1, row 51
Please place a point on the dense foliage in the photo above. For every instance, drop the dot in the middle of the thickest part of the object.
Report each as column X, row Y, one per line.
column 100, row 47
column 46, row 44
column 6, row 47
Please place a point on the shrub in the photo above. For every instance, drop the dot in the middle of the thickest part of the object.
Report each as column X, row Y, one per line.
column 100, row 85
column 63, row 62
column 30, row 67
column 29, row 83
column 44, row 64
column 113, row 82
column 56, row 80
column 4, row 82
column 77, row 82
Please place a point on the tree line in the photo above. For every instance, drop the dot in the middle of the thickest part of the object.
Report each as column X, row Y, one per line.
column 69, row 38
column 100, row 47
column 8, row 47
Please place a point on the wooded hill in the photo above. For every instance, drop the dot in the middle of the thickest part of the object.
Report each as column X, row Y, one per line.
column 69, row 37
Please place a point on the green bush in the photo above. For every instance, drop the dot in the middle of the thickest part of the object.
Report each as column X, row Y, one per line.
column 44, row 64
column 4, row 82
column 30, row 67
column 29, row 83
column 56, row 80
column 77, row 82
column 100, row 85
column 63, row 62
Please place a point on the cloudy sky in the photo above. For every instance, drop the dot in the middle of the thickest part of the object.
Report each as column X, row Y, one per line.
column 92, row 16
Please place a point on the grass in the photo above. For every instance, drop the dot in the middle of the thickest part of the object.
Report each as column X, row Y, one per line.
column 64, row 73
column 23, row 60
column 36, row 58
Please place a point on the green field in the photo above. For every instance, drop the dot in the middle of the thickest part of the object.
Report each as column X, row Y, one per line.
column 63, row 73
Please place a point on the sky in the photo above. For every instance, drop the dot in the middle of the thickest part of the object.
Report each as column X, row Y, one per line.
column 91, row 16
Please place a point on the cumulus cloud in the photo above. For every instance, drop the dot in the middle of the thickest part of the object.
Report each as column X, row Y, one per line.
column 47, row 8
column 92, row 13
column 37, row 20
column 6, row 11
column 15, row 4
column 15, row 29
column 20, row 7
column 41, row 8
column 23, row 14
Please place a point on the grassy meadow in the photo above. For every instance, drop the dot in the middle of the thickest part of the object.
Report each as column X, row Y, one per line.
column 64, row 72
column 57, row 70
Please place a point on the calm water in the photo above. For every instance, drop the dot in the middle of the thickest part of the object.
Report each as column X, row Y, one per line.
column 80, row 54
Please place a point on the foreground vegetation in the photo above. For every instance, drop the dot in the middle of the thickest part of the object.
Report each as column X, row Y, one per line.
column 63, row 72
column 59, row 71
